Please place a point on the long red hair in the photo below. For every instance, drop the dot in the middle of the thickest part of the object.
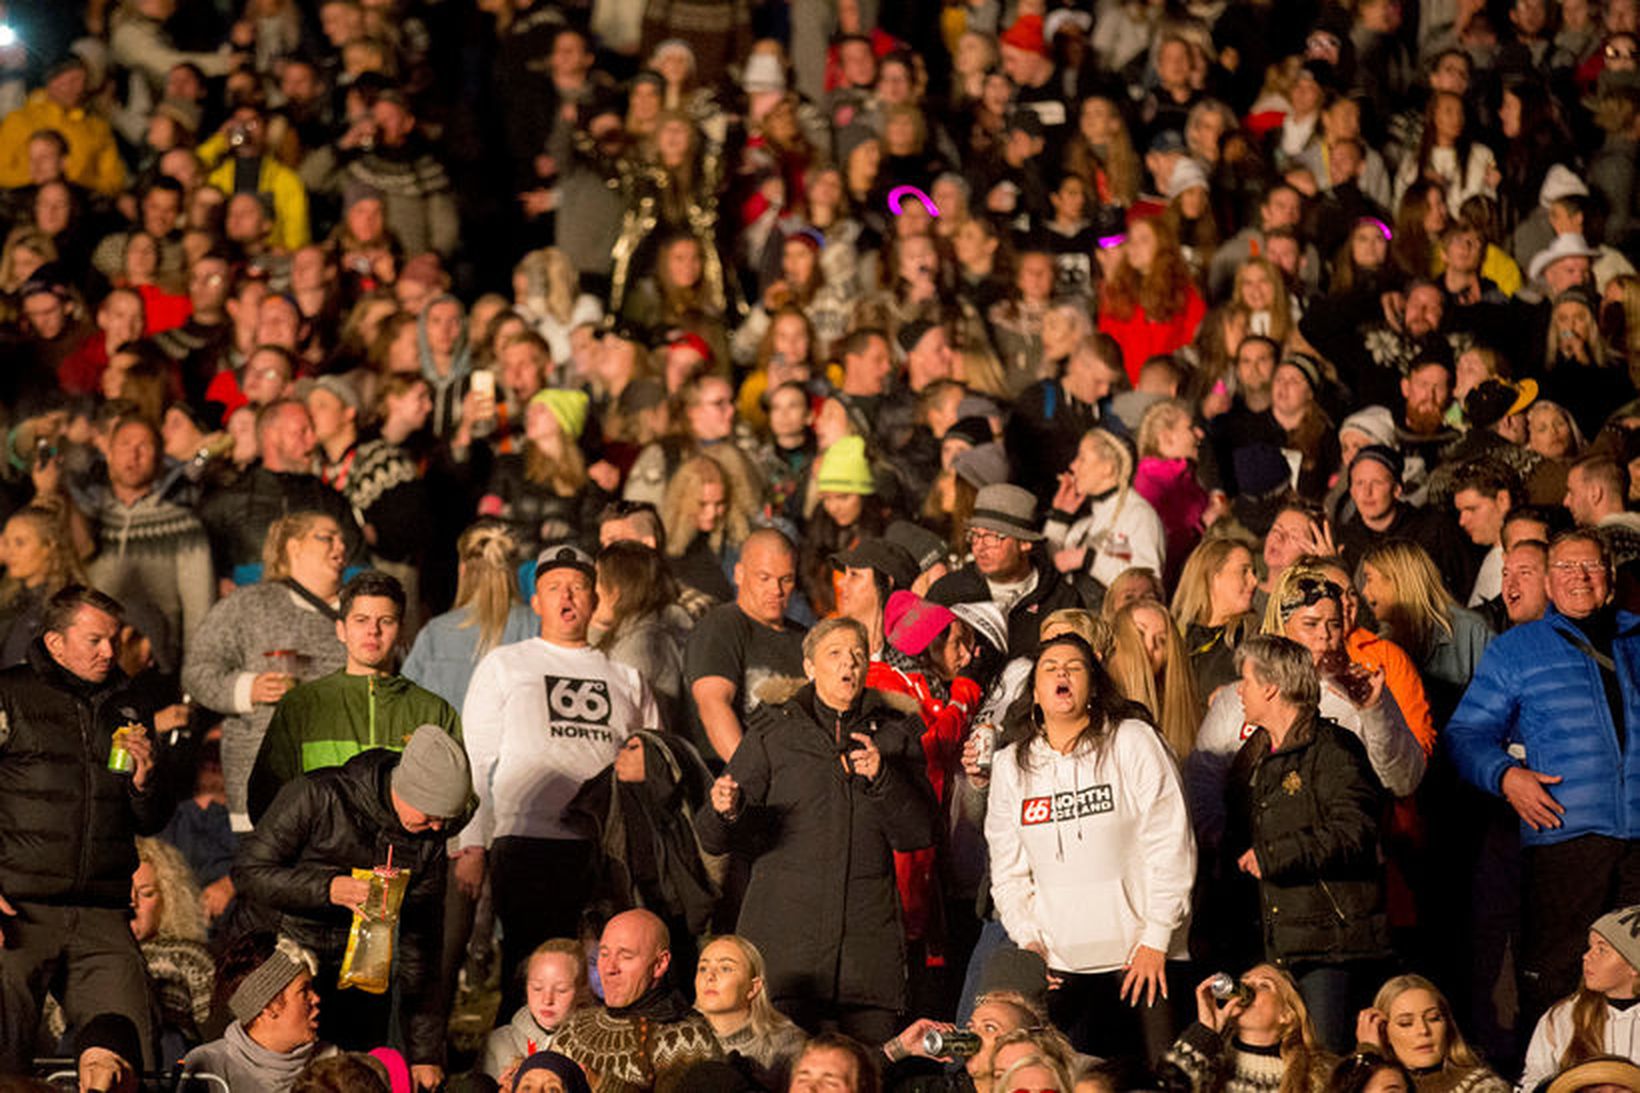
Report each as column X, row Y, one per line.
column 1162, row 291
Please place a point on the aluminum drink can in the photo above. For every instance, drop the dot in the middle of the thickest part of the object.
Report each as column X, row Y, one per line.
column 120, row 760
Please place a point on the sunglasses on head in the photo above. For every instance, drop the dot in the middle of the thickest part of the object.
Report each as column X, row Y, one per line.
column 1309, row 591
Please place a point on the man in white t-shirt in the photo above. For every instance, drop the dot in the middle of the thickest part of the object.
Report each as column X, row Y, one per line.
column 541, row 717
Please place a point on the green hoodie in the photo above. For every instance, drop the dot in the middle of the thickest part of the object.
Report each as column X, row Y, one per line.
column 330, row 720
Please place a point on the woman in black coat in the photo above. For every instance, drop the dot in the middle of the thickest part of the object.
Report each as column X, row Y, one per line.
column 1302, row 807
column 830, row 781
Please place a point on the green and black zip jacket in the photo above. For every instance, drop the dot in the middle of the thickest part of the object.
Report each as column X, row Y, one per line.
column 330, row 720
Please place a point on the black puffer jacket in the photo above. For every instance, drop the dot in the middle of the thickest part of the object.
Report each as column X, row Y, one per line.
column 1311, row 812
column 822, row 903
column 237, row 516
column 320, row 827
column 67, row 822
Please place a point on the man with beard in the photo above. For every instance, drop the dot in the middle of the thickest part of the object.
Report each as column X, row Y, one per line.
column 1427, row 392
column 1249, row 422
column 1374, row 352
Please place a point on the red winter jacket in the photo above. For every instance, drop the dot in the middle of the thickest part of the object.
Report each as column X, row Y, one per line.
column 945, row 727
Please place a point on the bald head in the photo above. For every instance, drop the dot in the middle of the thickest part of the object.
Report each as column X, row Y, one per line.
column 765, row 576
column 633, row 956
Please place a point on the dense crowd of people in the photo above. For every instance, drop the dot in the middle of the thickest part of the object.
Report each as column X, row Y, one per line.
column 599, row 546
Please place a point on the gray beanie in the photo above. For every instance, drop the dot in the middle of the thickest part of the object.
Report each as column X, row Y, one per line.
column 433, row 775
column 1621, row 928
column 275, row 973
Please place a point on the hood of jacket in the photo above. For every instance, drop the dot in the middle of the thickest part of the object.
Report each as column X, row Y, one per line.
column 779, row 690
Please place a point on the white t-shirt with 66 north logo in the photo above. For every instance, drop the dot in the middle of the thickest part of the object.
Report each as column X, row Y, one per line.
column 539, row 720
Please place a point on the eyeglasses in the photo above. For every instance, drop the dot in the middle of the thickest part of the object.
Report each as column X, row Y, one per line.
column 984, row 535
column 1588, row 569
column 1309, row 591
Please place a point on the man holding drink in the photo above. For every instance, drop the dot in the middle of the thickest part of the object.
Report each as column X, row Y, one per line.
column 77, row 784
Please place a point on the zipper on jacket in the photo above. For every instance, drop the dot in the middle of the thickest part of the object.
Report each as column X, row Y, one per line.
column 371, row 705
column 81, row 713
column 1337, row 910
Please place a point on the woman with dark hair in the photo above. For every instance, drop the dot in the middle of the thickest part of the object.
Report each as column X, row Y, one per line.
column 634, row 623
column 785, row 353
column 639, row 815
column 678, row 294
column 1448, row 153
column 1420, row 217
column 1368, row 1072
column 1095, row 879
column 1536, row 138
column 1362, row 264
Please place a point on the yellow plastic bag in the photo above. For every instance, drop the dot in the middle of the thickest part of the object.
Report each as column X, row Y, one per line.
column 368, row 962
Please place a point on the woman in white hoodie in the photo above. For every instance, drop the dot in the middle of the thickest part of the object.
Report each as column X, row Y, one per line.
column 1119, row 530
column 1092, row 855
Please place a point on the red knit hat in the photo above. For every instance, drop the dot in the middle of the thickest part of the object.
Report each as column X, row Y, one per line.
column 1026, row 34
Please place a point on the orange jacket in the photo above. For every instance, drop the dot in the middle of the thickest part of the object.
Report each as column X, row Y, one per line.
column 1402, row 679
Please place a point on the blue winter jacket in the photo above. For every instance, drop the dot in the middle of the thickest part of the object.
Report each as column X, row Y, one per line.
column 1538, row 689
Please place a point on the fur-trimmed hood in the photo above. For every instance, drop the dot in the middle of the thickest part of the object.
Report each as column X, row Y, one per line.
column 779, row 690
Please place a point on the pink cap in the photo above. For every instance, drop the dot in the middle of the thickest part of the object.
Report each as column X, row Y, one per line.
column 912, row 622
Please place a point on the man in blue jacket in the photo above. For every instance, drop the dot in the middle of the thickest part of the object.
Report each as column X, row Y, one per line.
column 1545, row 724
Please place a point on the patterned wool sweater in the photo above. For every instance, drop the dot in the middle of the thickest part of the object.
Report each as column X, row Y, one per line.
column 155, row 551
column 1202, row 1061
column 635, row 1054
